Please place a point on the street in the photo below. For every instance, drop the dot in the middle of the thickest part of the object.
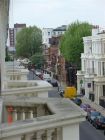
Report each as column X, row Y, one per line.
column 54, row 93
column 88, row 132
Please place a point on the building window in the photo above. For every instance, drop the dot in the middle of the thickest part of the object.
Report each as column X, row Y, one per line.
column 92, row 66
column 103, row 68
column 84, row 65
column 54, row 33
column 90, row 48
column 48, row 33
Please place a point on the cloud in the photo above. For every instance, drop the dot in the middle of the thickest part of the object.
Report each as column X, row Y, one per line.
column 56, row 12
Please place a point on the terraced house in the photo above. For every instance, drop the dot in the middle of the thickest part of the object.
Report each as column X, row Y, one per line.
column 91, row 78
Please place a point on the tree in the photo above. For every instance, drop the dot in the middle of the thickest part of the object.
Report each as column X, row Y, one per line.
column 37, row 60
column 28, row 42
column 71, row 44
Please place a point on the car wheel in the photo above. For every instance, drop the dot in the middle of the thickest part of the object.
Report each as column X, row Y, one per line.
column 86, row 118
column 90, row 121
column 104, row 132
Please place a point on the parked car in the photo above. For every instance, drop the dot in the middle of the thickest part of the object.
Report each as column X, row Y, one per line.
column 77, row 101
column 47, row 77
column 53, row 82
column 99, row 122
column 91, row 115
column 85, row 107
column 38, row 72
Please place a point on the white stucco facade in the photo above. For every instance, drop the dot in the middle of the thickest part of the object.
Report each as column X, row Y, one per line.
column 48, row 33
column 93, row 66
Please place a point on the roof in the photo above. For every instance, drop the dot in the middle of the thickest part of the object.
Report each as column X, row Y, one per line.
column 61, row 28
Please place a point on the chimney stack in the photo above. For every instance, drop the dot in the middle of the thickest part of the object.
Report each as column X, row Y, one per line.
column 95, row 30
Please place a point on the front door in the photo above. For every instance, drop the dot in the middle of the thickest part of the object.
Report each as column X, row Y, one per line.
column 103, row 90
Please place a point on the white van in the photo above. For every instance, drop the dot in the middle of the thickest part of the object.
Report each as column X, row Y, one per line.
column 47, row 77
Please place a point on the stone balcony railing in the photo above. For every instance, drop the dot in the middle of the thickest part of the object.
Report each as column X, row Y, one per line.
column 15, row 72
column 61, row 124
column 19, row 88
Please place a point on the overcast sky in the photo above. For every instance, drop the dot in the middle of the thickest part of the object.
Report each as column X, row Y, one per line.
column 53, row 13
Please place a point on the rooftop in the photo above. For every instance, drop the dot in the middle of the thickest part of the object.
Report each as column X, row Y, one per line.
column 61, row 28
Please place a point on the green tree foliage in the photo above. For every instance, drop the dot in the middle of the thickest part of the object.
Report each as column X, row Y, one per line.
column 37, row 60
column 28, row 42
column 71, row 44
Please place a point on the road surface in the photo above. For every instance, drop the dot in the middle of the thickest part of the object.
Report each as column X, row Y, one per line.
column 88, row 132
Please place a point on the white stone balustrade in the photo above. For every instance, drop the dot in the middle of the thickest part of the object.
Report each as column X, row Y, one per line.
column 16, row 74
column 62, row 124
column 29, row 88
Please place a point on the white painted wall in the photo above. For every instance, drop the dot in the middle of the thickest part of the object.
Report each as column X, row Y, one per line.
column 46, row 34
column 93, row 60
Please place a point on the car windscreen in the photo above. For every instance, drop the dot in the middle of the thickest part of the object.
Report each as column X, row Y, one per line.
column 95, row 113
column 102, row 119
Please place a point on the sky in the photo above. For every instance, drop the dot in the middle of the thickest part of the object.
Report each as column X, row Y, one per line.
column 54, row 13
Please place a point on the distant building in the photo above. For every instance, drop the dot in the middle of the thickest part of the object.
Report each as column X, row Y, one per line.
column 59, row 31
column 48, row 33
column 50, row 43
column 91, row 78
column 12, row 35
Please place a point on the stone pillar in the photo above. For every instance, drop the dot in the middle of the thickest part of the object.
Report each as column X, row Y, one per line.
column 28, row 136
column 31, row 114
column 15, row 115
column 101, row 70
column 4, row 4
column 59, row 134
column 70, row 132
column 101, row 90
column 39, row 135
column 78, row 85
column 23, row 115
column 97, row 94
column 49, row 134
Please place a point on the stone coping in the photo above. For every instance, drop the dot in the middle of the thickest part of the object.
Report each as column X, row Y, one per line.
column 65, row 112
column 26, row 86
